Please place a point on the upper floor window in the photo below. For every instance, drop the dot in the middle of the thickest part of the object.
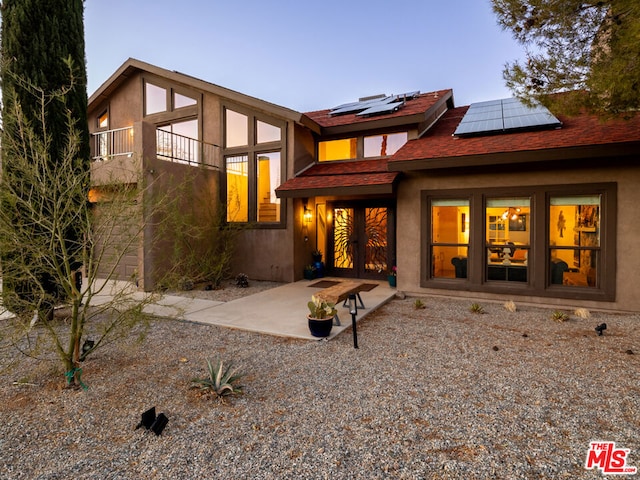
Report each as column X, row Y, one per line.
column 103, row 120
column 254, row 165
column 159, row 99
column 344, row 149
column 237, row 129
column 155, row 99
column 180, row 100
column 266, row 132
column 384, row 145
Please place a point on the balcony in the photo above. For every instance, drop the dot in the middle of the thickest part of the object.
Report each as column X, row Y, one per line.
column 111, row 144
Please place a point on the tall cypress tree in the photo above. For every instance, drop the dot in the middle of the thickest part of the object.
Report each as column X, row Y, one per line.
column 43, row 52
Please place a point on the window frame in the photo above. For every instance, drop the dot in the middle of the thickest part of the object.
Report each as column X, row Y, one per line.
column 539, row 277
column 359, row 139
column 252, row 151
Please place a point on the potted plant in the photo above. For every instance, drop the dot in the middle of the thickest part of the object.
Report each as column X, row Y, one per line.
column 320, row 318
column 309, row 272
column 391, row 277
column 317, row 262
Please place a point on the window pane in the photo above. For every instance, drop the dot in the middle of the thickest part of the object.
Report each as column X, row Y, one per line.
column 449, row 238
column 574, row 238
column 337, row 150
column 267, row 132
column 508, row 238
column 237, row 188
column 269, row 169
column 383, row 145
column 180, row 101
column 103, row 120
column 237, row 129
column 155, row 99
column 449, row 262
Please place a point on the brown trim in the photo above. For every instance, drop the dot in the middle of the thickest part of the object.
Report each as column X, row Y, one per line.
column 538, row 283
column 252, row 150
column 510, row 158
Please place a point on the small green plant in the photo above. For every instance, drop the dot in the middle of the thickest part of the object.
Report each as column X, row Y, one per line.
column 320, row 308
column 476, row 308
column 559, row 316
column 220, row 380
column 419, row 304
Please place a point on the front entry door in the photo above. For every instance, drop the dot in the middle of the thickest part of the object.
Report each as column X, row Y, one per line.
column 361, row 240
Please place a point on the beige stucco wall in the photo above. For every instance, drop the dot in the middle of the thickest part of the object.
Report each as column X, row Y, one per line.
column 409, row 211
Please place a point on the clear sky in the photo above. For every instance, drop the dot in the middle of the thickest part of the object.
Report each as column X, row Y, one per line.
column 308, row 55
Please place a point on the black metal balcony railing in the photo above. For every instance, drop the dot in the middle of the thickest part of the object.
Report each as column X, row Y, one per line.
column 169, row 146
column 181, row 149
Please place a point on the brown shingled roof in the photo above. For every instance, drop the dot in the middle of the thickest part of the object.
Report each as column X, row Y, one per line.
column 340, row 178
column 580, row 137
column 417, row 106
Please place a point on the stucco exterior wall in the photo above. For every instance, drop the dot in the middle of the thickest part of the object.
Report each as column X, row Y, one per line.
column 409, row 211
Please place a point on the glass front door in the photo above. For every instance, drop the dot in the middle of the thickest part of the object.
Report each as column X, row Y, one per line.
column 361, row 241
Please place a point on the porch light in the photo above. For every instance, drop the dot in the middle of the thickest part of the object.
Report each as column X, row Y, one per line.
column 307, row 215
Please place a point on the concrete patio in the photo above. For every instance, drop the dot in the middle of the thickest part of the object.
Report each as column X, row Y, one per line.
column 278, row 311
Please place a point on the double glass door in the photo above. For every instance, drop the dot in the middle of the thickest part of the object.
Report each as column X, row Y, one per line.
column 361, row 240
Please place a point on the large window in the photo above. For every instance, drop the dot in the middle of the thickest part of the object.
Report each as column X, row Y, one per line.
column 574, row 239
column 253, row 159
column 449, row 237
column 507, row 238
column 538, row 240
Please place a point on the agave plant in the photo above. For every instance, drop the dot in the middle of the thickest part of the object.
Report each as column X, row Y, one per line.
column 220, row 380
column 559, row 316
column 476, row 308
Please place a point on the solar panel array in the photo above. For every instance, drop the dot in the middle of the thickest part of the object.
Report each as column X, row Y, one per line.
column 506, row 115
column 374, row 106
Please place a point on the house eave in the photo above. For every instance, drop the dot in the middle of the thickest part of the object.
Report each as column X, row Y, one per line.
column 625, row 149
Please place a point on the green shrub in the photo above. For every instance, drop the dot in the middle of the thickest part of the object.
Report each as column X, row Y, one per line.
column 476, row 308
column 220, row 380
column 559, row 316
column 419, row 304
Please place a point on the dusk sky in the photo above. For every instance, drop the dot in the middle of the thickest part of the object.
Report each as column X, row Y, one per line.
column 308, row 55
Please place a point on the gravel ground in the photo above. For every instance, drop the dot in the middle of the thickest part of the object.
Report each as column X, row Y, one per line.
column 431, row 393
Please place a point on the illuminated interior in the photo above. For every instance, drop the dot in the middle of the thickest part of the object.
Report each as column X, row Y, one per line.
column 345, row 149
column 450, row 237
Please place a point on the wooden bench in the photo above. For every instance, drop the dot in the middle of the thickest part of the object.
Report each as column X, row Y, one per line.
column 340, row 293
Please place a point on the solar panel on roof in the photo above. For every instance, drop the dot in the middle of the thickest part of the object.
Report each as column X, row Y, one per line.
column 509, row 114
column 378, row 104
column 378, row 109
column 360, row 106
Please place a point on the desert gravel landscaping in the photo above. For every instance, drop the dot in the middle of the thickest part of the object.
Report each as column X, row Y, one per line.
column 431, row 393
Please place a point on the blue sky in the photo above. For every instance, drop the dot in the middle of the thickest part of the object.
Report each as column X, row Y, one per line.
column 308, row 55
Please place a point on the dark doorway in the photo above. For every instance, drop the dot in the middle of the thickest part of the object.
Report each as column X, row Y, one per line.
column 361, row 239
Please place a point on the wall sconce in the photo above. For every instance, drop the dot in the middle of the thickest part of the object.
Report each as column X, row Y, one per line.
column 307, row 215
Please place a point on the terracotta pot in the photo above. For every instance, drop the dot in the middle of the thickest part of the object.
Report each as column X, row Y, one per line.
column 320, row 327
